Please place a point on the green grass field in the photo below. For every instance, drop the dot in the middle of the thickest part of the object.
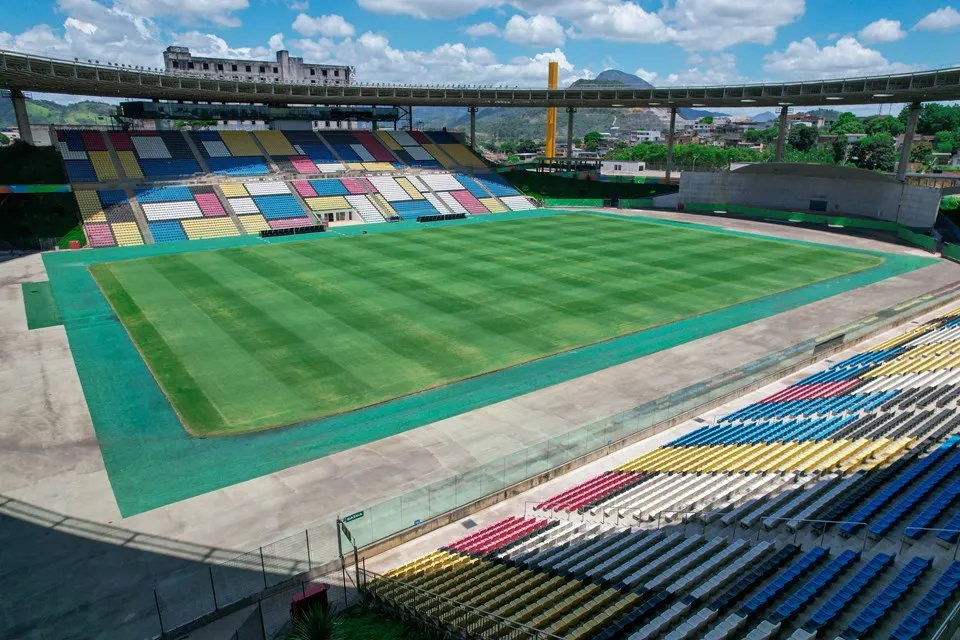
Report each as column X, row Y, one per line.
column 244, row 339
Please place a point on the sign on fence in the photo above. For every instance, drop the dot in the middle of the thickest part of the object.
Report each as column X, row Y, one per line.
column 353, row 516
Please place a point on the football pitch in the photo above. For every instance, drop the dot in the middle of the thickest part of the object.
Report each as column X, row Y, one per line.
column 247, row 338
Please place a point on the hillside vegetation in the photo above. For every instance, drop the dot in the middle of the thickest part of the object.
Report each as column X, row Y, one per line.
column 47, row 112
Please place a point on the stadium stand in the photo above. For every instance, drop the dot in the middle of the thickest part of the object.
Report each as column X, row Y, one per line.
column 267, row 204
column 108, row 218
column 157, row 155
column 868, row 448
column 313, row 156
column 231, row 153
column 185, row 213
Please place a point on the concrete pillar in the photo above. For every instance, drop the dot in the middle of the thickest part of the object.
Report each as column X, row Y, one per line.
column 20, row 114
column 473, row 128
column 781, row 133
column 570, row 112
column 410, row 118
column 670, row 134
column 911, row 129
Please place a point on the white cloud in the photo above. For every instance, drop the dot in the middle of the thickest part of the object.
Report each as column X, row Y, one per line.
column 185, row 11
column 329, row 26
column 535, row 31
column 940, row 20
column 298, row 5
column 81, row 26
column 847, row 58
column 627, row 22
column 276, row 42
column 718, row 24
column 482, row 29
column 649, row 76
column 882, row 30
column 455, row 63
column 441, row 9
column 213, row 46
column 713, row 70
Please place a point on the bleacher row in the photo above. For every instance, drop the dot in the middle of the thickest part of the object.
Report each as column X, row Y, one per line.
column 866, row 451
column 178, row 212
column 105, row 156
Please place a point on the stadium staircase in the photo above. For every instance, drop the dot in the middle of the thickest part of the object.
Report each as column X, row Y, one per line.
column 203, row 183
column 829, row 509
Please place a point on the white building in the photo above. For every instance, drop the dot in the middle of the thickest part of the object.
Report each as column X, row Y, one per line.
column 622, row 168
column 646, row 136
column 285, row 69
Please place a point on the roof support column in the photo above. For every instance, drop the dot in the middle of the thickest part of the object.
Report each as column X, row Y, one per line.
column 570, row 112
column 670, row 135
column 20, row 114
column 410, row 118
column 911, row 129
column 473, row 128
column 781, row 133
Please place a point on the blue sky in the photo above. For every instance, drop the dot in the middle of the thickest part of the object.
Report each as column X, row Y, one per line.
column 670, row 42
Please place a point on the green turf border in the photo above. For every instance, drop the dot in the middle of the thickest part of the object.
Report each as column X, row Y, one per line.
column 151, row 460
column 40, row 305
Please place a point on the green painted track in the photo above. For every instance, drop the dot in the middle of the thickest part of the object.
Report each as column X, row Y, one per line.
column 40, row 305
column 152, row 461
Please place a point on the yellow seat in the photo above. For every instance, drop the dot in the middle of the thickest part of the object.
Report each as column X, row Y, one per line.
column 241, row 144
column 234, row 190
column 275, row 143
column 253, row 224
column 493, row 205
column 103, row 165
column 129, row 164
column 127, row 234
column 199, row 228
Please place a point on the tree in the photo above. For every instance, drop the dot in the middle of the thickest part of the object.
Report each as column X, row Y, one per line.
column 840, row 149
column 921, row 152
column 933, row 118
column 513, row 159
column 884, row 124
column 527, row 145
column 706, row 120
column 946, row 141
column 875, row 153
column 847, row 123
column 591, row 141
column 4, row 140
column 803, row 138
column 508, row 147
column 765, row 136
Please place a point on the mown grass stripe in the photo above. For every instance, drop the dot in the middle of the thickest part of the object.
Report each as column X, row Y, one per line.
column 187, row 397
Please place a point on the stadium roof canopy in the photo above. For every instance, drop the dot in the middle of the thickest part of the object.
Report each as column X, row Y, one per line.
column 34, row 73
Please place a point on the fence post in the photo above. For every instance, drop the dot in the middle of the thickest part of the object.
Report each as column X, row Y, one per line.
column 156, row 600
column 306, row 533
column 213, row 588
column 263, row 625
column 263, row 568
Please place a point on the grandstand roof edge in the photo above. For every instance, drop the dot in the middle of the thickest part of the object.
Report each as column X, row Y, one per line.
column 34, row 73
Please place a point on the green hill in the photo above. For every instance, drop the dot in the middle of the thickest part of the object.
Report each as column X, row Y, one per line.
column 48, row 112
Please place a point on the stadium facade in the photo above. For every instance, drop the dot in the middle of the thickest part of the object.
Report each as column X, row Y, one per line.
column 286, row 68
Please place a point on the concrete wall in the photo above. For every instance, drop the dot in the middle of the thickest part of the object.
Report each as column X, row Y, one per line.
column 889, row 200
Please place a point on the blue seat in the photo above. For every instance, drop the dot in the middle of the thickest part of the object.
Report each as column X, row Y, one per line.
column 332, row 187
column 164, row 194
column 905, row 504
column 850, row 590
column 80, row 171
column 274, row 207
column 877, row 608
column 168, row 231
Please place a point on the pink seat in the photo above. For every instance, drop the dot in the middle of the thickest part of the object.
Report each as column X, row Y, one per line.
column 99, row 234
column 209, row 204
column 287, row 223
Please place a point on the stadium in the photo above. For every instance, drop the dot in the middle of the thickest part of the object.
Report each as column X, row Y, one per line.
column 362, row 369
